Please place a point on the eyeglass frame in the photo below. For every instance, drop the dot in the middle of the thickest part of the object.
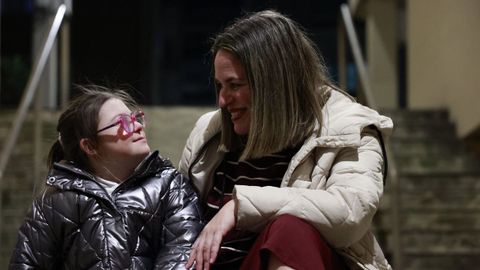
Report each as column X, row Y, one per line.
column 126, row 120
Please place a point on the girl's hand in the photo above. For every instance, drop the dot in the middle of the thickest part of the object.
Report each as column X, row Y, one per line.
column 206, row 247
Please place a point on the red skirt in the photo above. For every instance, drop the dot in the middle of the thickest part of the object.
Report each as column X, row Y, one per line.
column 296, row 244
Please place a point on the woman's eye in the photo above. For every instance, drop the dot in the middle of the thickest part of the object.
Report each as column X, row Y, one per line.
column 235, row 86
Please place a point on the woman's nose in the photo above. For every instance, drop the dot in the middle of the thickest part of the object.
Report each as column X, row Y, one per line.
column 223, row 98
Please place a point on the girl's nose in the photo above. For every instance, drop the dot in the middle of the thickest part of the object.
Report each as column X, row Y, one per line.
column 138, row 126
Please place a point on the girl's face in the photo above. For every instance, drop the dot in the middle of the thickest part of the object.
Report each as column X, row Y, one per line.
column 233, row 90
column 115, row 145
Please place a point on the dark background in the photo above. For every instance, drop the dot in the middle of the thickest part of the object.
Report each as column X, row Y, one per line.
column 159, row 48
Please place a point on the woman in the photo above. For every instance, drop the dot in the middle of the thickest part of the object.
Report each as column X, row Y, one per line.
column 290, row 167
column 109, row 203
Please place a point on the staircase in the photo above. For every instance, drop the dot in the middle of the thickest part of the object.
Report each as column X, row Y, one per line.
column 439, row 182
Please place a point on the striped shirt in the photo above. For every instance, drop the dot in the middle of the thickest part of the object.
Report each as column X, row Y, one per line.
column 264, row 171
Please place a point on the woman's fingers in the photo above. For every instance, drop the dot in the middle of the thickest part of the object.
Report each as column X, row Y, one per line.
column 207, row 250
column 206, row 247
column 201, row 251
column 217, row 241
column 191, row 258
column 200, row 248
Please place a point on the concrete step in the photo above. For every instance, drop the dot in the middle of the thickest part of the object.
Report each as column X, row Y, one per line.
column 427, row 147
column 439, row 181
column 414, row 181
column 453, row 220
column 436, row 163
column 416, row 131
column 441, row 243
column 442, row 261
column 435, row 200
column 419, row 116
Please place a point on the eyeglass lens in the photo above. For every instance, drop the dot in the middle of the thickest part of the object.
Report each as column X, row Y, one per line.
column 128, row 121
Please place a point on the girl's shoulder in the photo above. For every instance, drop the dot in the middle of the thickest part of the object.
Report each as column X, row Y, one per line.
column 154, row 165
column 158, row 169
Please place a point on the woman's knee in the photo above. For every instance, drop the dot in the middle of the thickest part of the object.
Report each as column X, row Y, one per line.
column 289, row 223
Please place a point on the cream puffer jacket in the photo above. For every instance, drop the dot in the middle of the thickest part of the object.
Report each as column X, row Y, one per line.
column 335, row 180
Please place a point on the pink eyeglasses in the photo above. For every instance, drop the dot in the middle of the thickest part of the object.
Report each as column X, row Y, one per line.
column 127, row 122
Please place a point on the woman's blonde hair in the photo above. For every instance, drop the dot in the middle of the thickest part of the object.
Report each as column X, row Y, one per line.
column 285, row 74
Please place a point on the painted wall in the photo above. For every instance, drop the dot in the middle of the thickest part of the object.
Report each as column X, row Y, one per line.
column 443, row 58
column 381, row 47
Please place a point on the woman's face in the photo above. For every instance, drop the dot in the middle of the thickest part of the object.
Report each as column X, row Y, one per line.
column 115, row 144
column 233, row 90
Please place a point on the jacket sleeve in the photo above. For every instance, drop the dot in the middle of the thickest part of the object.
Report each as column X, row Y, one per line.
column 206, row 126
column 36, row 246
column 182, row 224
column 342, row 212
column 186, row 156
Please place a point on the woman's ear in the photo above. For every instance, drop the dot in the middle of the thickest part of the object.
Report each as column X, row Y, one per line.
column 87, row 146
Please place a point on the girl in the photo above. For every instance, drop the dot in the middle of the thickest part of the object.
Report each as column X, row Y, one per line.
column 109, row 203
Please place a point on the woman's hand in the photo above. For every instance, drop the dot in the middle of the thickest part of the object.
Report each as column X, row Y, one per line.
column 206, row 247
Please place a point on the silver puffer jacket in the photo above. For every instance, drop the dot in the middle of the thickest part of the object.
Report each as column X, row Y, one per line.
column 149, row 221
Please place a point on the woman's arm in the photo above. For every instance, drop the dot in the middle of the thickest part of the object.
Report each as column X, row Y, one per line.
column 182, row 224
column 342, row 212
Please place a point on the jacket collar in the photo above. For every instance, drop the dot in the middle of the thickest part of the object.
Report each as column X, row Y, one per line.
column 65, row 175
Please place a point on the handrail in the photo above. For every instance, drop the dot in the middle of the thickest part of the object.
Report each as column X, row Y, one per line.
column 370, row 101
column 357, row 55
column 28, row 95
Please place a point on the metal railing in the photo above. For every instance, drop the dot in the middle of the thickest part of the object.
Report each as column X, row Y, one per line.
column 347, row 27
column 28, row 94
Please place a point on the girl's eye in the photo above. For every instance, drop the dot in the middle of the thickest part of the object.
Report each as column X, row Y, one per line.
column 123, row 117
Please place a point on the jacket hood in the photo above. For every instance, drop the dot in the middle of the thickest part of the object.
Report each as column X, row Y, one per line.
column 343, row 120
